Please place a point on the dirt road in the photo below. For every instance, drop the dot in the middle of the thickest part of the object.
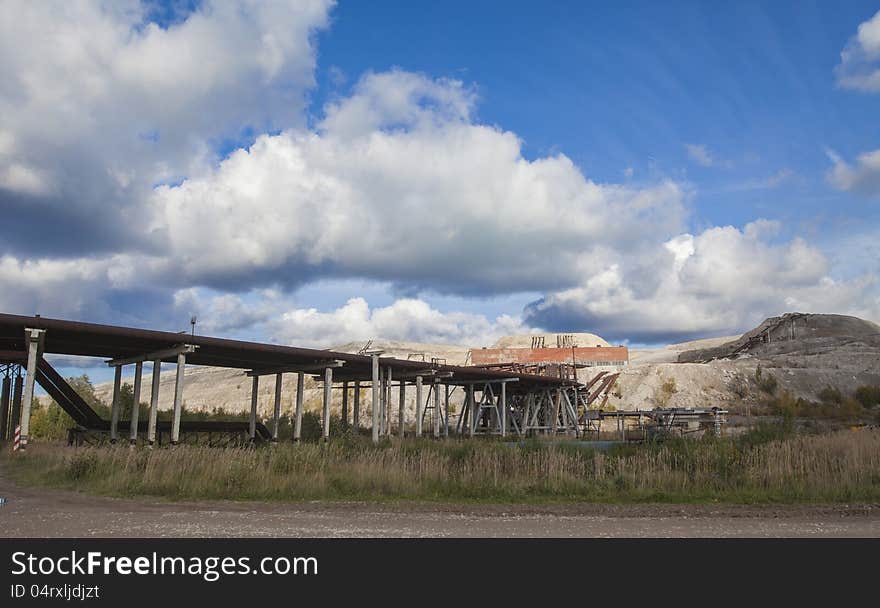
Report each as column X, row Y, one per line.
column 38, row 512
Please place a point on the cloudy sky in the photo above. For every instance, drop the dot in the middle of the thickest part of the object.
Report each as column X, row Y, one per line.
column 312, row 172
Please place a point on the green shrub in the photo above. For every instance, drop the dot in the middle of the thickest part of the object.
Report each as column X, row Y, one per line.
column 49, row 422
column 829, row 394
column 868, row 396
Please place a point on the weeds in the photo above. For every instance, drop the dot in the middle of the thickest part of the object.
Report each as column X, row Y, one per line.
column 768, row 464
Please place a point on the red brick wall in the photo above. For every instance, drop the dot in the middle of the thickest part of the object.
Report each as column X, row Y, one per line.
column 484, row 356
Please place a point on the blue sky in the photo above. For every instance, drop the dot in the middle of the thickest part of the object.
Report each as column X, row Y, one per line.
column 315, row 172
column 628, row 85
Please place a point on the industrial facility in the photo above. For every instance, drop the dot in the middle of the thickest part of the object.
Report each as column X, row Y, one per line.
column 504, row 391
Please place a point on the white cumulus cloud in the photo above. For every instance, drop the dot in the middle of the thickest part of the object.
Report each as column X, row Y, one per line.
column 721, row 280
column 98, row 103
column 859, row 67
column 407, row 319
column 409, row 190
column 862, row 177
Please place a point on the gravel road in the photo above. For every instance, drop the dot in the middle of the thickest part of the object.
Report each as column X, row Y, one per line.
column 40, row 512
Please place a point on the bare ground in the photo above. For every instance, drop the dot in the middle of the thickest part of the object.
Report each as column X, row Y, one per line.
column 41, row 512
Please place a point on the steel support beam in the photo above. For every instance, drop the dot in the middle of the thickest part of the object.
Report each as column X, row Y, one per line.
column 167, row 353
column 290, row 369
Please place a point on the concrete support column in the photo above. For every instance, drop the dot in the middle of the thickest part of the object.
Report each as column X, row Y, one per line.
column 276, row 413
column 33, row 336
column 114, row 403
column 328, row 387
column 255, row 393
column 136, row 402
column 419, row 405
column 472, row 413
column 376, row 404
column 298, row 416
column 356, row 411
column 4, row 407
column 446, row 412
column 345, row 406
column 436, row 409
column 387, row 426
column 503, row 406
column 178, row 399
column 17, row 390
column 401, row 413
column 383, row 399
column 154, row 402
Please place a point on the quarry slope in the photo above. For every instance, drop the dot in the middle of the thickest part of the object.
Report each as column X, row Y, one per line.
column 822, row 350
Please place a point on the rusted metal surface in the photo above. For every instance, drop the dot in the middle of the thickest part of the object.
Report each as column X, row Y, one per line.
column 114, row 342
column 577, row 355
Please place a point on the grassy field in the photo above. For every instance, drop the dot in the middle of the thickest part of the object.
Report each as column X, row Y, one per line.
column 766, row 465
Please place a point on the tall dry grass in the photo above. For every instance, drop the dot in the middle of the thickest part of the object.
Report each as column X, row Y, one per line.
column 840, row 467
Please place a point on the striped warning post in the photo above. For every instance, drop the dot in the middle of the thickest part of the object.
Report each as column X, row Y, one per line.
column 16, row 442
